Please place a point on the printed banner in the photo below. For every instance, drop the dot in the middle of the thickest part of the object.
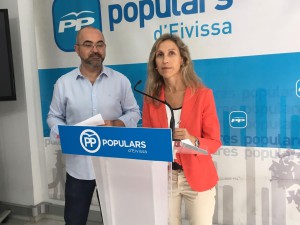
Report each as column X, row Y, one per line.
column 247, row 52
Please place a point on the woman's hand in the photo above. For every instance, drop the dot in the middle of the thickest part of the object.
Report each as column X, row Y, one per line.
column 182, row 133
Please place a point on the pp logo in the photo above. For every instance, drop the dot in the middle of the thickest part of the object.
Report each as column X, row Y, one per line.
column 70, row 16
column 90, row 141
column 238, row 119
column 298, row 88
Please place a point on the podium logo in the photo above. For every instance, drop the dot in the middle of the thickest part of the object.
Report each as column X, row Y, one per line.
column 90, row 141
column 238, row 119
column 298, row 88
column 70, row 16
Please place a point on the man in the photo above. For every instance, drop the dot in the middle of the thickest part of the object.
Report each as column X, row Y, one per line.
column 80, row 94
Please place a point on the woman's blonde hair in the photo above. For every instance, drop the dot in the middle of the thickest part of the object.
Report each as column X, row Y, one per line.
column 155, row 80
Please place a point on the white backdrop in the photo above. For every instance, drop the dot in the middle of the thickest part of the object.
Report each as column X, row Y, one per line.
column 247, row 51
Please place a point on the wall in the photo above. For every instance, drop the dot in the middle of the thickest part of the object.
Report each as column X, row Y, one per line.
column 22, row 172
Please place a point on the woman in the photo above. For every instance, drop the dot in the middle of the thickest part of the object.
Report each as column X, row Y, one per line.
column 171, row 78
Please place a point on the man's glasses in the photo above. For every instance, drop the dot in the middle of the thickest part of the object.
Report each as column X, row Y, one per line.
column 90, row 45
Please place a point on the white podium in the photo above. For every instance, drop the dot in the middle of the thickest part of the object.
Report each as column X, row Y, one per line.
column 132, row 168
column 132, row 191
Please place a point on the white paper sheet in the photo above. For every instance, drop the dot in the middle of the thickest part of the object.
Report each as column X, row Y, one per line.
column 92, row 121
column 186, row 147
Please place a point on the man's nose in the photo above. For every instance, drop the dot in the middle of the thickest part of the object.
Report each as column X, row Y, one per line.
column 94, row 48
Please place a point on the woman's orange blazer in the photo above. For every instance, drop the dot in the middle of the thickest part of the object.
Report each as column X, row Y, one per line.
column 199, row 117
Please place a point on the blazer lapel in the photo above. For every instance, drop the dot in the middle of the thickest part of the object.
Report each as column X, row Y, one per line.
column 188, row 106
column 161, row 111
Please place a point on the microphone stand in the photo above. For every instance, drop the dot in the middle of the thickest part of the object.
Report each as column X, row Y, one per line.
column 172, row 120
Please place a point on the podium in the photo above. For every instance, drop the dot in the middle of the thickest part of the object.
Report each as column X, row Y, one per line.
column 131, row 167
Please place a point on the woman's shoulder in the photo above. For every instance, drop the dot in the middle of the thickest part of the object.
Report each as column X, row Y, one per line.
column 201, row 90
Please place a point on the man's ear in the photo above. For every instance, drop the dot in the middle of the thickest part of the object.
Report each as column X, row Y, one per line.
column 76, row 47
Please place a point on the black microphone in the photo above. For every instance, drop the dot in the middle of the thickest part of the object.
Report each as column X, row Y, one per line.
column 172, row 120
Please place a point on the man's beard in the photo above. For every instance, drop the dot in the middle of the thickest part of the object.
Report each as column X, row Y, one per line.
column 94, row 60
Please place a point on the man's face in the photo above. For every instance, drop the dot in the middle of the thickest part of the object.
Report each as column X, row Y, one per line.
column 91, row 47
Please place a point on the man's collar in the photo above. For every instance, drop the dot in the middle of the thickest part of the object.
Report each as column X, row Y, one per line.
column 80, row 75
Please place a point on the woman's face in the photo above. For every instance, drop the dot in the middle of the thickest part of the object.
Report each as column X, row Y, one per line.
column 168, row 59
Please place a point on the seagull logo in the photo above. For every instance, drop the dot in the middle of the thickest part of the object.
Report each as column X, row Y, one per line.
column 238, row 119
column 71, row 16
column 90, row 141
column 76, row 14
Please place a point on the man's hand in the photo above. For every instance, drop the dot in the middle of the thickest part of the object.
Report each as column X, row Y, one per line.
column 114, row 123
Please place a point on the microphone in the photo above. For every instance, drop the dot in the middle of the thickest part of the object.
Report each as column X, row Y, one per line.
column 172, row 119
